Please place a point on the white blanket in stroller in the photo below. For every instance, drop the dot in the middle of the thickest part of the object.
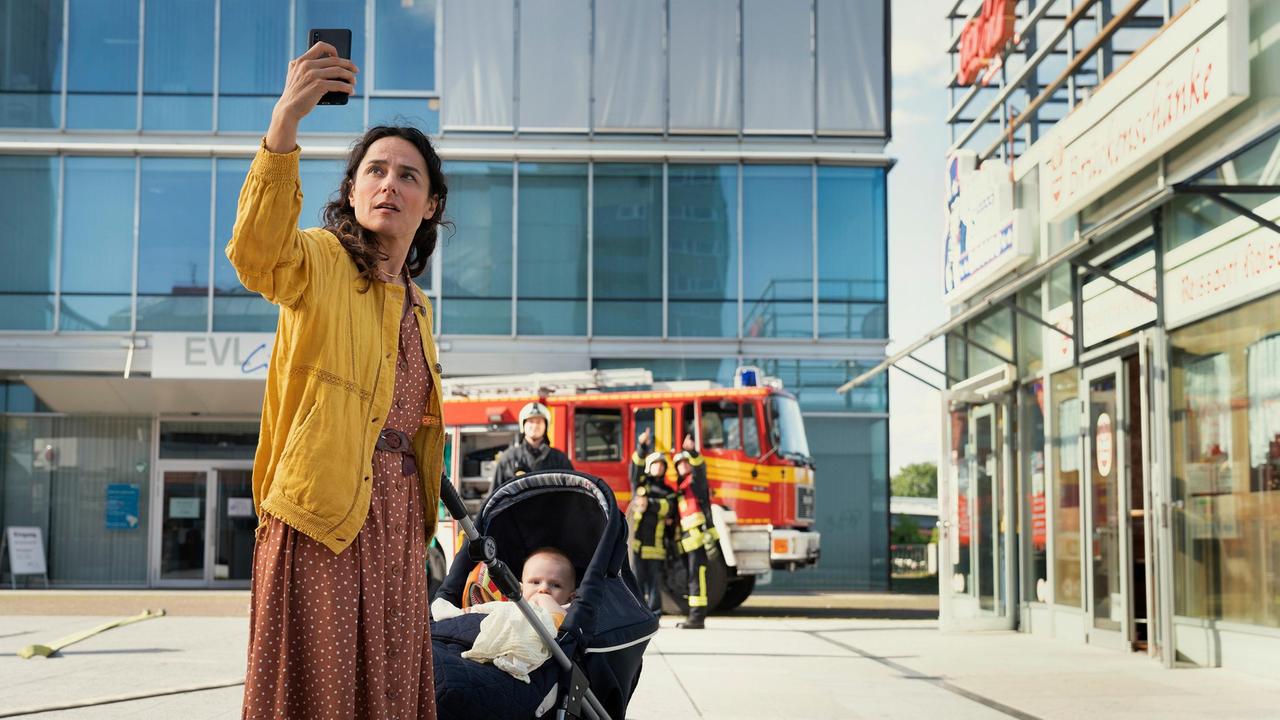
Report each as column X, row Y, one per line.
column 506, row 639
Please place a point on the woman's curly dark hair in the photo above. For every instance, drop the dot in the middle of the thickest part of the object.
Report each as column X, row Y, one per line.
column 340, row 217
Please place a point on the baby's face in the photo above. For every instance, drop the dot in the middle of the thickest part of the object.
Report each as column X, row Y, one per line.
column 548, row 574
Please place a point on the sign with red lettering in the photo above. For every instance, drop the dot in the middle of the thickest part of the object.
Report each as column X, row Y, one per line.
column 1195, row 70
column 984, row 38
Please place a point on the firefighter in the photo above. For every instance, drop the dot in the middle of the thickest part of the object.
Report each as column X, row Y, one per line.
column 532, row 452
column 698, row 533
column 651, row 515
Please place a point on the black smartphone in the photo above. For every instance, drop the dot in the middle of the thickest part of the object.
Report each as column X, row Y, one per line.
column 340, row 38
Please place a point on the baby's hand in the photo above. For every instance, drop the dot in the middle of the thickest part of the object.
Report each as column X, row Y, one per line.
column 547, row 602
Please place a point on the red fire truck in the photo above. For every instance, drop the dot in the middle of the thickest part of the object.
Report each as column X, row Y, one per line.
column 752, row 436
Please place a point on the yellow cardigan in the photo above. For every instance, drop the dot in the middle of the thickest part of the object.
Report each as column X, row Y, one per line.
column 333, row 366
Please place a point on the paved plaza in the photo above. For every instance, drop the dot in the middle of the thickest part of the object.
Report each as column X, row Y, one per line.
column 784, row 657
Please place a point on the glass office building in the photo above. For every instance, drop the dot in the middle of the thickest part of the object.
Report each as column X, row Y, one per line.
column 683, row 185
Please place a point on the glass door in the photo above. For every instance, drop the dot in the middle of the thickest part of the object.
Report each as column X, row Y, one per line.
column 206, row 534
column 234, row 523
column 1106, row 509
column 182, row 527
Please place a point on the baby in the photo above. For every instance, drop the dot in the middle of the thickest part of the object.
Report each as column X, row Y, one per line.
column 549, row 580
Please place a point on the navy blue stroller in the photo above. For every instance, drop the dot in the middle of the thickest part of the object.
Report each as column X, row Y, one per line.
column 596, row 657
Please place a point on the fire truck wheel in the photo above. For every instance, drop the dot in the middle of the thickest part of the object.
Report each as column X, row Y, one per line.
column 435, row 569
column 736, row 592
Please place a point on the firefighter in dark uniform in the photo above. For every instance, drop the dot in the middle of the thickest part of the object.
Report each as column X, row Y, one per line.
column 698, row 532
column 651, row 514
column 532, row 452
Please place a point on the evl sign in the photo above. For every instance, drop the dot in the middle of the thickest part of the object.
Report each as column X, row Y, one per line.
column 211, row 355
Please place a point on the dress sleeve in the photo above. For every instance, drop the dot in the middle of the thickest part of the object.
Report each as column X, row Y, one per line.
column 267, row 250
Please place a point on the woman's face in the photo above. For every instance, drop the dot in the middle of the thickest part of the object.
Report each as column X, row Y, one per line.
column 392, row 191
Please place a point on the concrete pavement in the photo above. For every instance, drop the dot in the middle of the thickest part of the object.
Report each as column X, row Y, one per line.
column 781, row 666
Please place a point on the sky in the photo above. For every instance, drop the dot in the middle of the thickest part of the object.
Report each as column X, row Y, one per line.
column 920, row 138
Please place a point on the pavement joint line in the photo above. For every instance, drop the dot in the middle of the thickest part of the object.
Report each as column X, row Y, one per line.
column 94, row 702
column 912, row 674
column 676, row 675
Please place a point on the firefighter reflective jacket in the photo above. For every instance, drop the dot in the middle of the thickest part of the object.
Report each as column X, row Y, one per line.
column 651, row 510
column 697, row 526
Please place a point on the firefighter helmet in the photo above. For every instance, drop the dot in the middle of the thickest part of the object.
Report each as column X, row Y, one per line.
column 653, row 457
column 534, row 409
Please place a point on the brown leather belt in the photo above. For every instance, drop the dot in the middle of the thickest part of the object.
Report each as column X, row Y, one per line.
column 395, row 441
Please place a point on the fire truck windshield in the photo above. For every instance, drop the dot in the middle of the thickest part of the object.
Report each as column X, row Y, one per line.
column 786, row 428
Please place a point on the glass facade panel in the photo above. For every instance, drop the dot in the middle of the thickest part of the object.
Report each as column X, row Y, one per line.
column 405, row 51
column 64, row 493
column 627, row 232
column 1033, row 529
column 1226, row 465
column 814, row 384
column 177, row 83
column 630, row 66
column 347, row 118
column 991, row 332
column 702, row 250
column 476, row 275
column 555, row 65
column 416, row 111
column 234, row 308
column 31, row 76
column 703, row 71
column 777, row 49
column 97, row 243
column 173, row 244
column 480, row 45
column 777, row 238
column 552, row 265
column 1030, row 339
column 29, row 207
column 1068, row 579
column 851, row 78
column 852, row 258
column 102, row 64
column 253, row 55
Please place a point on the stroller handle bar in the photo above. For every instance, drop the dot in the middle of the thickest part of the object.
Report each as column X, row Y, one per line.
column 510, row 586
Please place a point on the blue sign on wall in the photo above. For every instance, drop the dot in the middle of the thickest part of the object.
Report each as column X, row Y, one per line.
column 122, row 507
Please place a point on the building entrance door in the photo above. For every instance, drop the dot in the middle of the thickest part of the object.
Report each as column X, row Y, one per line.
column 976, row 527
column 204, row 537
column 1108, row 563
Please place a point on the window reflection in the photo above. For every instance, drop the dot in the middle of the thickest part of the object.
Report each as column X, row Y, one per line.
column 777, row 237
column 702, row 242
column 253, row 51
column 29, row 208
column 1067, row 543
column 552, row 259
column 476, row 275
column 405, row 53
column 31, row 77
column 97, row 243
column 178, row 72
column 852, row 263
column 102, row 64
column 627, row 221
column 173, row 244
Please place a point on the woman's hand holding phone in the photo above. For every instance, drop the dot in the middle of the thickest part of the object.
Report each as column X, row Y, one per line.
column 312, row 74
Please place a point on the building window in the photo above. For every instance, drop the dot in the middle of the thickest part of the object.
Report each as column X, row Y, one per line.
column 630, row 67
column 702, row 250
column 1068, row 583
column 97, row 244
column 476, row 275
column 480, row 45
column 777, row 46
column 704, row 72
column 177, row 84
column 29, row 206
column 1226, row 465
column 102, row 65
column 405, row 53
column 235, row 309
column 253, row 54
column 31, row 77
column 627, row 233
column 552, row 255
column 173, row 244
column 1034, row 526
column 597, row 435
column 721, row 429
column 852, row 262
column 777, row 237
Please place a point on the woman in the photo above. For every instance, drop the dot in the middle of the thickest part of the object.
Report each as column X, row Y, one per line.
column 347, row 471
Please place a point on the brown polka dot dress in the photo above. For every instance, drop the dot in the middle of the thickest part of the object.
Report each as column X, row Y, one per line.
column 346, row 636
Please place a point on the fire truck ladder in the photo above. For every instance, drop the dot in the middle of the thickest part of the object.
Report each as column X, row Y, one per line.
column 544, row 384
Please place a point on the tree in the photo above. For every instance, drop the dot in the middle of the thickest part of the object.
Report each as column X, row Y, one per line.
column 916, row 480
